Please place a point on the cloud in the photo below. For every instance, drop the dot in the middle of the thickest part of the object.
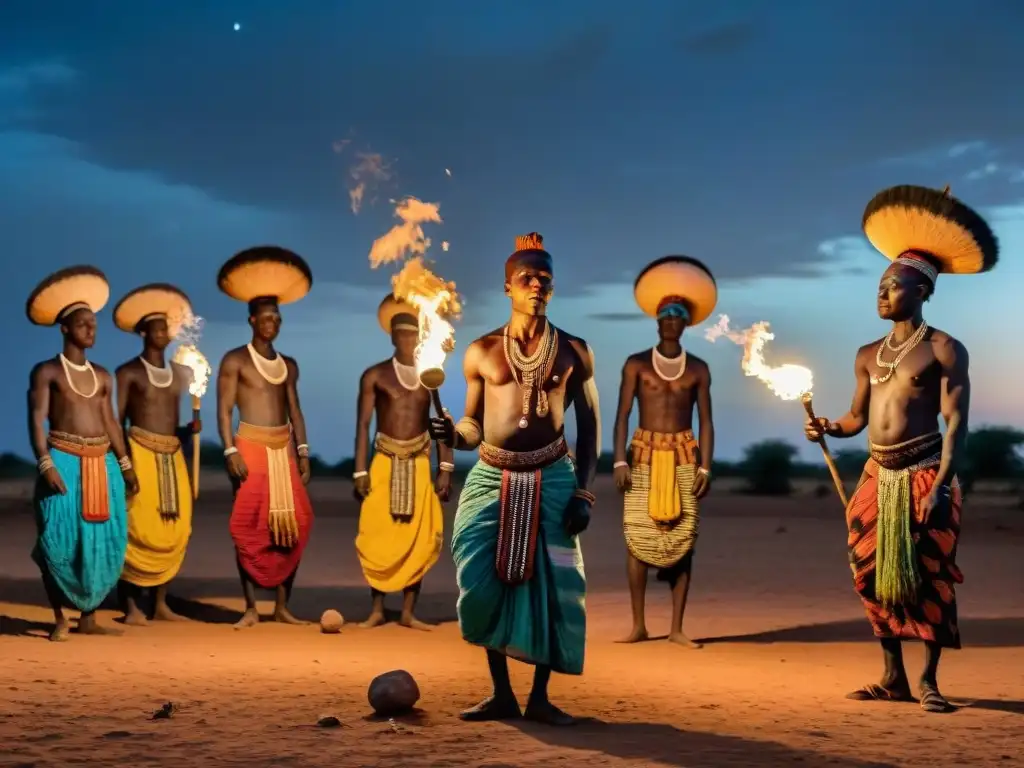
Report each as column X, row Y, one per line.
column 57, row 207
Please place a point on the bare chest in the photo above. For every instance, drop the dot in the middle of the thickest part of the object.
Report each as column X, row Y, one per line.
column 396, row 395
column 917, row 369
column 500, row 370
column 272, row 381
column 666, row 385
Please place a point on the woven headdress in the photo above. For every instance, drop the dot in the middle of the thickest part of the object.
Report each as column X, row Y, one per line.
column 930, row 231
column 266, row 272
column 156, row 300
column 66, row 291
column 673, row 280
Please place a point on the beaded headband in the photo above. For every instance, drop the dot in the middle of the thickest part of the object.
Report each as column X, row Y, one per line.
column 911, row 259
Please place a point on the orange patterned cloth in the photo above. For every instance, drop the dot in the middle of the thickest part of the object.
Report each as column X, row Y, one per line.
column 932, row 617
column 92, row 455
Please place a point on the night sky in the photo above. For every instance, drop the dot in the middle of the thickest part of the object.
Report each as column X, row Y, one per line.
column 154, row 140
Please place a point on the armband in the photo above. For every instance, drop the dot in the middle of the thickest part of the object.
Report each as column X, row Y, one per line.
column 470, row 432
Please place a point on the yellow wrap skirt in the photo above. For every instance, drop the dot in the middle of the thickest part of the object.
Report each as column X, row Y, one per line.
column 160, row 514
column 660, row 515
column 401, row 523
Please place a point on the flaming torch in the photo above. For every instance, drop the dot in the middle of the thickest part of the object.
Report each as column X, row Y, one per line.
column 188, row 354
column 789, row 382
column 435, row 301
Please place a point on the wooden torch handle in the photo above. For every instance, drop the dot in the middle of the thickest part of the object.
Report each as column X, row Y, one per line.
column 195, row 450
column 829, row 461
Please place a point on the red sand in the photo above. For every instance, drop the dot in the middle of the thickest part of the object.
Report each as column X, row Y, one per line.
column 771, row 578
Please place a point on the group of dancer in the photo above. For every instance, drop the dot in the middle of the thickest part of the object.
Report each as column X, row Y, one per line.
column 114, row 502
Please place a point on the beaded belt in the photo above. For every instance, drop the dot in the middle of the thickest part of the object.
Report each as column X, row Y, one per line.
column 910, row 453
column 519, row 510
column 522, row 461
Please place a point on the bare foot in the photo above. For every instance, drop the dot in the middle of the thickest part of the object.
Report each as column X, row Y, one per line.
column 898, row 691
column 61, row 631
column 249, row 619
column 285, row 616
column 638, row 635
column 933, row 701
column 680, row 639
column 413, row 623
column 163, row 613
column 136, row 618
column 87, row 625
column 493, row 708
column 375, row 620
column 547, row 713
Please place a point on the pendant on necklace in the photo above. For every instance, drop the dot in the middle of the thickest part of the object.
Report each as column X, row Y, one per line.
column 542, row 410
column 524, row 423
column 554, row 379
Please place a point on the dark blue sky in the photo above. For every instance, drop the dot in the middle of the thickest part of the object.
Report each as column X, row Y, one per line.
column 153, row 140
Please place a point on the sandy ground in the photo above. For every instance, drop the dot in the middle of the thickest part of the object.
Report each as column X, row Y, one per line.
column 772, row 595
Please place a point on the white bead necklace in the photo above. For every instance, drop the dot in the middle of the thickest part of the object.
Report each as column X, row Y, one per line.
column 659, row 361
column 405, row 374
column 167, row 372
column 68, row 366
column 273, row 371
column 905, row 349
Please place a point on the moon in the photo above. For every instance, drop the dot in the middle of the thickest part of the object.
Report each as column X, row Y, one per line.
column 237, row 26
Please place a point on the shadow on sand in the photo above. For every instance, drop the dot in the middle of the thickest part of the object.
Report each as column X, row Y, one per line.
column 203, row 600
column 977, row 633
column 651, row 742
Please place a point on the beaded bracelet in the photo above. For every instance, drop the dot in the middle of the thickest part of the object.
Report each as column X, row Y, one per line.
column 45, row 464
column 125, row 463
column 302, row 450
column 360, row 473
column 445, row 466
column 618, row 464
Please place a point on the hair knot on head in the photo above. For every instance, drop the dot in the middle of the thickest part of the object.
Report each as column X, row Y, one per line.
column 534, row 241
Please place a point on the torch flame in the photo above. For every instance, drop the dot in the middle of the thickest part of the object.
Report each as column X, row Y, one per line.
column 188, row 354
column 789, row 382
column 407, row 238
column 435, row 300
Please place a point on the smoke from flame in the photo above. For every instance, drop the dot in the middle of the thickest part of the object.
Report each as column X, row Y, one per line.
column 407, row 238
column 787, row 381
column 369, row 170
column 188, row 354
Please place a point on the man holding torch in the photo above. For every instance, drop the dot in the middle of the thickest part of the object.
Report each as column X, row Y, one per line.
column 670, row 471
column 268, row 457
column 401, row 521
column 149, row 390
column 515, row 539
column 904, row 517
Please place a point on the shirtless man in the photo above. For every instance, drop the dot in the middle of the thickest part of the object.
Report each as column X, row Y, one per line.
column 149, row 391
column 904, row 517
column 401, row 522
column 525, row 502
column 670, row 471
column 268, row 457
column 80, row 498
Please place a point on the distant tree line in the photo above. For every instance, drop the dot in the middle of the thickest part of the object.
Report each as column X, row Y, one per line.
column 769, row 467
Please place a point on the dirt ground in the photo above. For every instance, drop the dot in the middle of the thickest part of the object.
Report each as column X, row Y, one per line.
column 772, row 599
